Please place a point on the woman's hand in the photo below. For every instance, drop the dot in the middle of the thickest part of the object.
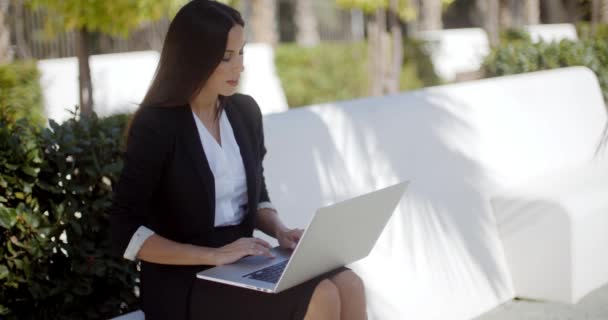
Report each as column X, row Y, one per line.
column 240, row 248
column 288, row 238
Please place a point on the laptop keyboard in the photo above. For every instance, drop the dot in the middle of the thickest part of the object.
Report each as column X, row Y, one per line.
column 269, row 274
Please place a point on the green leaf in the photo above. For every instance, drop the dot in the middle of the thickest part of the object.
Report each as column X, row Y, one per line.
column 30, row 171
column 11, row 167
column 8, row 217
column 4, row 272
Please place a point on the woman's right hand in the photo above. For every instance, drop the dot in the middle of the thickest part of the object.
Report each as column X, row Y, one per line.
column 240, row 248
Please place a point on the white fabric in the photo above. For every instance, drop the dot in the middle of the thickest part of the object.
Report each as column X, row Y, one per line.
column 441, row 256
column 228, row 170
column 137, row 240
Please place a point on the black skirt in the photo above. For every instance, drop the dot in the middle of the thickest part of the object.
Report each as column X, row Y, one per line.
column 211, row 300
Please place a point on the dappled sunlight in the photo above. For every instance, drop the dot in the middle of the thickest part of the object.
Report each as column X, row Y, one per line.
column 441, row 246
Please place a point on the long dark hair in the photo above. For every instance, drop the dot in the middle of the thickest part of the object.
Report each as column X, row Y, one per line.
column 194, row 46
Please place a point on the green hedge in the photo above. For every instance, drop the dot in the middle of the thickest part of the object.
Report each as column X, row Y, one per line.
column 583, row 29
column 524, row 56
column 339, row 71
column 20, row 92
column 55, row 190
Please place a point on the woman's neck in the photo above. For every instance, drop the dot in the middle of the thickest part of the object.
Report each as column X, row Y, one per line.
column 205, row 105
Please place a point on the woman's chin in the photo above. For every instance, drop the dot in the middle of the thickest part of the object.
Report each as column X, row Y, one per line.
column 229, row 92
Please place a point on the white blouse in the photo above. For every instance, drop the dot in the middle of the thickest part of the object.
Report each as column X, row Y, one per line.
column 226, row 164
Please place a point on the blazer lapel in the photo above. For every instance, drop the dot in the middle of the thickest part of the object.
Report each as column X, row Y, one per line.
column 195, row 149
column 244, row 141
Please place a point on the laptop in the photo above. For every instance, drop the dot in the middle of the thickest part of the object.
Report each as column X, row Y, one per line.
column 337, row 235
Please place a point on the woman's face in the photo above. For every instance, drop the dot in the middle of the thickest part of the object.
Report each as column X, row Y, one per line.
column 225, row 78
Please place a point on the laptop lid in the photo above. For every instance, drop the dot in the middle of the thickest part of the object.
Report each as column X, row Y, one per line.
column 340, row 234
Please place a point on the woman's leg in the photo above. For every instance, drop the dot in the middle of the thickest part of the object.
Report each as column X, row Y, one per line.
column 324, row 303
column 352, row 295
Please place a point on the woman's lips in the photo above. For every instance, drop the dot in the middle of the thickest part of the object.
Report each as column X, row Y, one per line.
column 233, row 83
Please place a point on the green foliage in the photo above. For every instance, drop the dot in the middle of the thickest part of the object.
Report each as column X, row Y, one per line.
column 510, row 35
column 116, row 17
column 339, row 71
column 328, row 72
column 583, row 29
column 23, row 229
column 53, row 221
column 524, row 56
column 407, row 11
column 20, row 92
column 417, row 58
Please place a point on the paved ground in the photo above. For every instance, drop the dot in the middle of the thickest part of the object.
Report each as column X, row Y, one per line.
column 594, row 306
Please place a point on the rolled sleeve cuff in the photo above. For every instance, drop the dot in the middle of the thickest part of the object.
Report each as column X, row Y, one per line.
column 137, row 241
column 266, row 205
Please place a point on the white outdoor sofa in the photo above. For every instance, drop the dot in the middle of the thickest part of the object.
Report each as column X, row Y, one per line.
column 471, row 150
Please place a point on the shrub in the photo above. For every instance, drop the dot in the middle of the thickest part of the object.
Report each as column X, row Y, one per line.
column 339, row 71
column 20, row 92
column 24, row 230
column 583, row 29
column 61, row 233
column 524, row 56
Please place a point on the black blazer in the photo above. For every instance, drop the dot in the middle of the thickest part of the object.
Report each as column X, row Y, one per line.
column 167, row 185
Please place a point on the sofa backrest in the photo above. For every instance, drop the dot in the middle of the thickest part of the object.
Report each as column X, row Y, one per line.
column 440, row 256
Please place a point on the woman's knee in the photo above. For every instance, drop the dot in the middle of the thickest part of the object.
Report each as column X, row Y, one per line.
column 348, row 282
column 326, row 293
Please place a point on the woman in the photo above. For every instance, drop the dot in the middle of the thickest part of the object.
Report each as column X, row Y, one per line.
column 192, row 188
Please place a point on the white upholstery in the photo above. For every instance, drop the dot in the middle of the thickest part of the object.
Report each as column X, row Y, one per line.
column 455, row 51
column 441, row 255
column 554, row 231
column 552, row 32
column 135, row 315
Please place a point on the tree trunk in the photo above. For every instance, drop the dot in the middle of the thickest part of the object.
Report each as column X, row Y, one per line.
column 523, row 12
column 377, row 51
column 307, row 34
column 84, row 72
column 531, row 12
column 556, row 12
column 490, row 12
column 604, row 11
column 506, row 14
column 6, row 55
column 263, row 21
column 394, row 71
column 430, row 15
column 22, row 49
column 595, row 15
column 572, row 11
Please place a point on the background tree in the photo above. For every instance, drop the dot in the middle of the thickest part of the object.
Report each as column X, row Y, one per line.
column 519, row 13
column 385, row 50
column 490, row 13
column 5, row 49
column 261, row 16
column 116, row 17
column 386, row 47
column 307, row 31
column 556, row 11
column 429, row 14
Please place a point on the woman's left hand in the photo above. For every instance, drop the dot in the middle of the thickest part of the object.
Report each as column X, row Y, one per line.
column 288, row 238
